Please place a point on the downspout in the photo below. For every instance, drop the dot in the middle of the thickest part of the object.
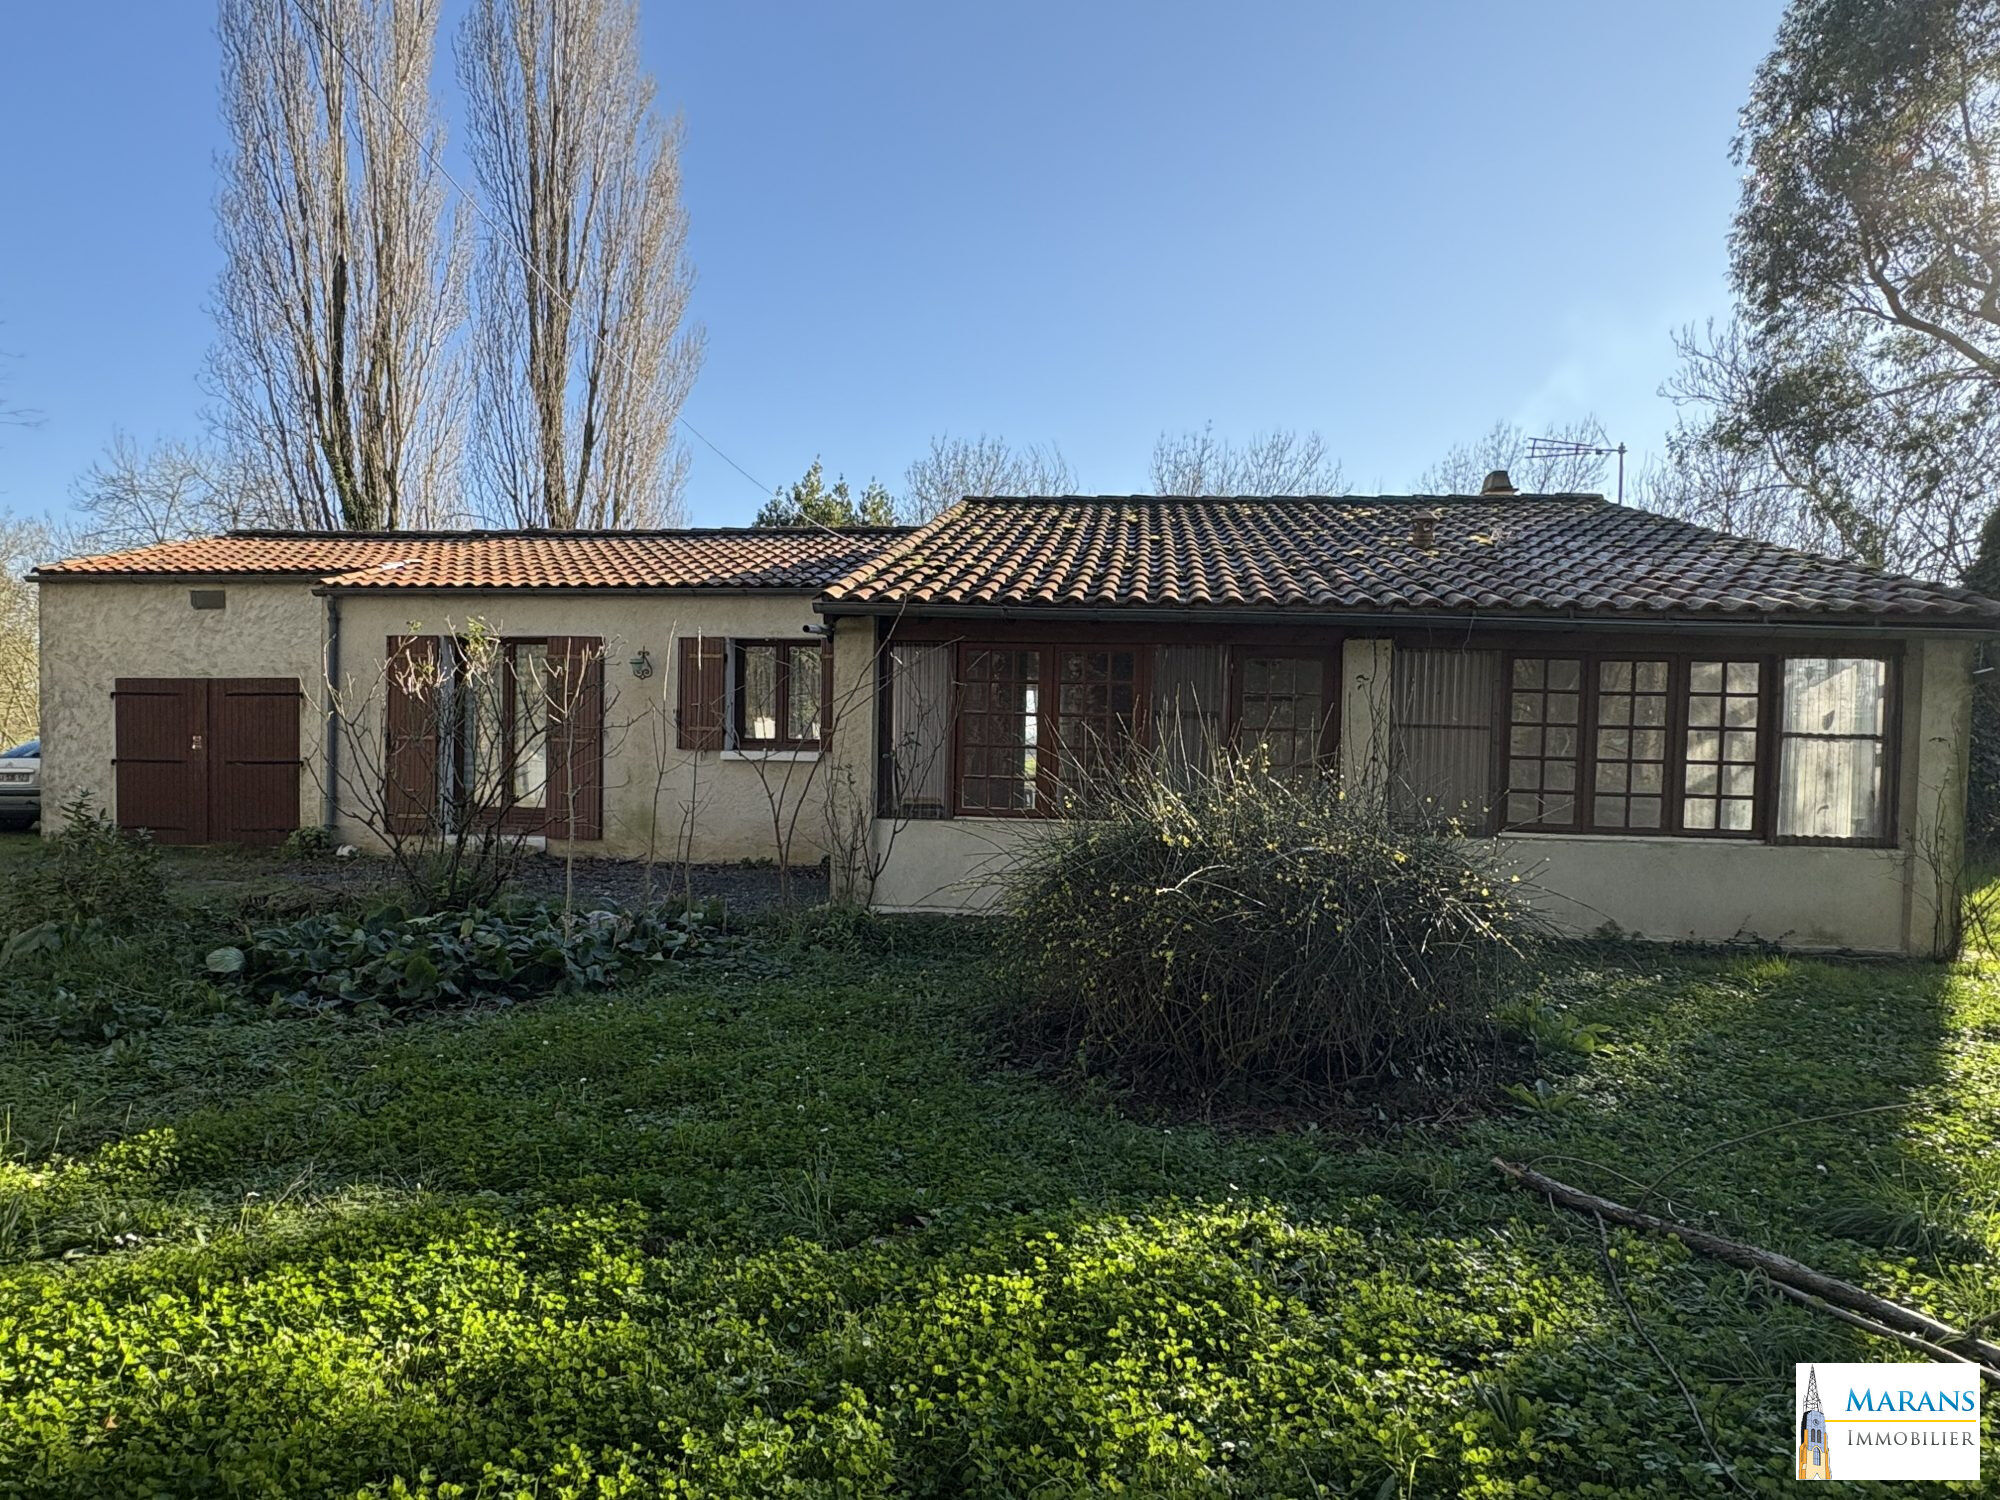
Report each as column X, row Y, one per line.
column 331, row 755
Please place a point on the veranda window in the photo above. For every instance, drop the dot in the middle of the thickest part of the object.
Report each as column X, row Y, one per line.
column 1097, row 707
column 1833, row 757
column 1680, row 744
column 1544, row 708
column 1719, row 780
column 1629, row 781
column 1281, row 709
column 999, row 728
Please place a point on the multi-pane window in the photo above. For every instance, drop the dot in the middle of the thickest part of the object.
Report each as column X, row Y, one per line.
column 1282, row 710
column 1719, row 781
column 779, row 695
column 999, row 728
column 1629, row 758
column 1684, row 745
column 1097, row 700
column 1544, row 707
column 1834, row 748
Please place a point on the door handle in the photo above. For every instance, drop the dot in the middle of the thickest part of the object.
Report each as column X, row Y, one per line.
column 195, row 743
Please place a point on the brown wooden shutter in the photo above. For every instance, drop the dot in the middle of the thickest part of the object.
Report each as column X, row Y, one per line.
column 576, row 737
column 410, row 734
column 701, row 709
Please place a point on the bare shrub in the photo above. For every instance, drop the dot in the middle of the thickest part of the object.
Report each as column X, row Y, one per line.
column 1208, row 930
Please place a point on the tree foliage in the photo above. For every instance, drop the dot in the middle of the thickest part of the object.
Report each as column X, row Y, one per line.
column 812, row 502
column 134, row 496
column 1854, row 403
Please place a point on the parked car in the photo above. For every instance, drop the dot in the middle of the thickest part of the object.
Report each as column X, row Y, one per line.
column 21, row 785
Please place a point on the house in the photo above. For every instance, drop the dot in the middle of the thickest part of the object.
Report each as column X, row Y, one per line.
column 1670, row 732
column 186, row 684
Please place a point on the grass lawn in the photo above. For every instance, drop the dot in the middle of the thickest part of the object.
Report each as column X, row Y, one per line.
column 789, row 1228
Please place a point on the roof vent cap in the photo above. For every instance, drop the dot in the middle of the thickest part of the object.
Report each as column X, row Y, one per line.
column 1423, row 530
column 1497, row 483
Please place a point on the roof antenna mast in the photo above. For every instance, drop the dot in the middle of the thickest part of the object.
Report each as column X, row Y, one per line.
column 1546, row 447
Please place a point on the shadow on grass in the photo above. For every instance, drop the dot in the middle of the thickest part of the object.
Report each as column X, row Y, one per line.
column 746, row 1235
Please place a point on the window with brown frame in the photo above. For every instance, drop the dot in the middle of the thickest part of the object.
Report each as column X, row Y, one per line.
column 1679, row 744
column 999, row 729
column 1628, row 784
column 1032, row 717
column 1544, row 707
column 1834, row 749
column 1281, row 708
column 1097, row 712
column 779, row 695
column 1719, row 779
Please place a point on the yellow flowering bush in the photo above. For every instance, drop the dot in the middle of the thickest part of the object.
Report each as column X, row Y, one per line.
column 1235, row 927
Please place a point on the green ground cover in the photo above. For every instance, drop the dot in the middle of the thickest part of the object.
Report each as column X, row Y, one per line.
column 788, row 1223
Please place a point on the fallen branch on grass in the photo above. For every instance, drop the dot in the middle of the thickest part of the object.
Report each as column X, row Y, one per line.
column 1883, row 1330
column 1780, row 1269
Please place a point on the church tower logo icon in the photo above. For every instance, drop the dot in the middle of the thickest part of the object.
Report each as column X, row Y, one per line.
column 1813, row 1462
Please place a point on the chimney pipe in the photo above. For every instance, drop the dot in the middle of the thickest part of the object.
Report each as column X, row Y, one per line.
column 1423, row 530
column 1497, row 483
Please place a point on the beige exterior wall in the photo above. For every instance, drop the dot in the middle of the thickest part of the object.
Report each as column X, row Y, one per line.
column 1900, row 900
column 94, row 633
column 714, row 805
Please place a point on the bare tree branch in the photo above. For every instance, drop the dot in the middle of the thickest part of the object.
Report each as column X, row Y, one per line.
column 582, row 357
column 1278, row 462
column 956, row 467
column 337, row 364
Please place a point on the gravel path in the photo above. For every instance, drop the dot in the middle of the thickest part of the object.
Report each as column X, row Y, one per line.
column 742, row 889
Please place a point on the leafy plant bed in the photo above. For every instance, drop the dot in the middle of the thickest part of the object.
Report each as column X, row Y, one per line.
column 392, row 960
column 786, row 1229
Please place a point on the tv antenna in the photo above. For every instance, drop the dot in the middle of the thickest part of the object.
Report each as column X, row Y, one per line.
column 1548, row 447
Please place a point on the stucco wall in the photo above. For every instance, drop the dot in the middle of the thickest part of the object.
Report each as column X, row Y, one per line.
column 1900, row 900
column 714, row 804
column 94, row 633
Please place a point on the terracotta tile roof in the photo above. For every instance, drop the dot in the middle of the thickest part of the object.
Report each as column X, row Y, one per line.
column 1517, row 555
column 735, row 558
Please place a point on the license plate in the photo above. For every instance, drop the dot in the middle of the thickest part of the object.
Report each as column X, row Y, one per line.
column 16, row 775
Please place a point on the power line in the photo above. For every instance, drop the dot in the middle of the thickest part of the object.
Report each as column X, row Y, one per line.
column 327, row 40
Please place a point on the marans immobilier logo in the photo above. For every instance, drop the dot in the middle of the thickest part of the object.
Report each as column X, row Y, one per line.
column 1887, row 1421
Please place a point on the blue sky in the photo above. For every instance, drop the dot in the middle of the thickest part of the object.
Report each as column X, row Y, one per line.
column 1077, row 223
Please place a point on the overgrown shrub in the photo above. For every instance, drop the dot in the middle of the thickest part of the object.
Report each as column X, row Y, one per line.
column 91, row 870
column 395, row 960
column 1239, row 928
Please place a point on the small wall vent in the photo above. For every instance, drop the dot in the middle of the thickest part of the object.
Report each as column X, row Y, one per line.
column 208, row 599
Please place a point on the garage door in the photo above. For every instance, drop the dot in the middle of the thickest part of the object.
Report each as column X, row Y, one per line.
column 208, row 760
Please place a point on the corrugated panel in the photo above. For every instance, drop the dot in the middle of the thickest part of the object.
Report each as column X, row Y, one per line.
column 919, row 749
column 1442, row 740
column 1188, row 693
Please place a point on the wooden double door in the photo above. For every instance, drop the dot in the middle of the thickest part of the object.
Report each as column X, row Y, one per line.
column 208, row 760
